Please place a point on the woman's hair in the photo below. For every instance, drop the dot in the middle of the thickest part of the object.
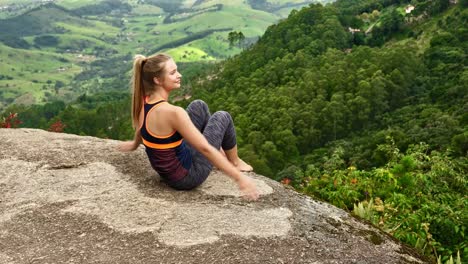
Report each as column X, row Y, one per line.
column 144, row 71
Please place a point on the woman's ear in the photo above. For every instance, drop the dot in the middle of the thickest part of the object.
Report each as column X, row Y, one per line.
column 156, row 80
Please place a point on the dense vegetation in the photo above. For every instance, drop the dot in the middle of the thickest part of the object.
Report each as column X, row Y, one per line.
column 169, row 6
column 105, row 7
column 375, row 123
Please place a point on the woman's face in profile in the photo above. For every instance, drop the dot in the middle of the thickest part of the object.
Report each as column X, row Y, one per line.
column 171, row 77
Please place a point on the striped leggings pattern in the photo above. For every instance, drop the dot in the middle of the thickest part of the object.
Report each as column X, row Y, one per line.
column 219, row 131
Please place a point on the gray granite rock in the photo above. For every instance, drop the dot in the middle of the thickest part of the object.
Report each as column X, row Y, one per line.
column 74, row 199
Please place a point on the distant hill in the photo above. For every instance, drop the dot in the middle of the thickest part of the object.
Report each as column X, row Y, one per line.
column 80, row 46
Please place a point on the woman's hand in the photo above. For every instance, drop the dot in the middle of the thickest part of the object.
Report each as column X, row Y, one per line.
column 127, row 146
column 248, row 188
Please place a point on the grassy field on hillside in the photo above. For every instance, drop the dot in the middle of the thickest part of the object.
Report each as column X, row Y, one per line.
column 89, row 44
column 31, row 76
column 188, row 54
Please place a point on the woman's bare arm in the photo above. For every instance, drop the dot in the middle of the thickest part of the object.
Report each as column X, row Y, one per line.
column 131, row 145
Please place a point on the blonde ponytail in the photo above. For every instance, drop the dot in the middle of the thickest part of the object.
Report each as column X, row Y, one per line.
column 138, row 89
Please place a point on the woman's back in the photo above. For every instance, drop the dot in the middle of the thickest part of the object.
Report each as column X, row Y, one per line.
column 158, row 119
column 166, row 149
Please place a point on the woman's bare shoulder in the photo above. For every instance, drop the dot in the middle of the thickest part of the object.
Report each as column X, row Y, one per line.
column 171, row 110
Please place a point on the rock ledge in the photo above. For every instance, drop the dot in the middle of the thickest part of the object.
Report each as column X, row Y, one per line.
column 67, row 198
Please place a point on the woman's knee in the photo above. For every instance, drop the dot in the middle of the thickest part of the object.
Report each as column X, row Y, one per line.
column 223, row 115
column 198, row 104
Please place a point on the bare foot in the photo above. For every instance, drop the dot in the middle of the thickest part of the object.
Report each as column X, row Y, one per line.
column 242, row 165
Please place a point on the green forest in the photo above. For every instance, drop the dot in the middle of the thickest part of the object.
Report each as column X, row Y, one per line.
column 358, row 103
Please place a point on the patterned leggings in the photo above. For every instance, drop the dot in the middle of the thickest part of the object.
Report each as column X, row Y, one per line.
column 218, row 129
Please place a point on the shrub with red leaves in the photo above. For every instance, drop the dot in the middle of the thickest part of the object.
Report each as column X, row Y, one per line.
column 286, row 181
column 58, row 127
column 11, row 121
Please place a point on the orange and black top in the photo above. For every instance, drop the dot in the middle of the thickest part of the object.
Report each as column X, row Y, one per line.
column 169, row 154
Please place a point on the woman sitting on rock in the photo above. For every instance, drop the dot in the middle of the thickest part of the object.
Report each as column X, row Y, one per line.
column 182, row 146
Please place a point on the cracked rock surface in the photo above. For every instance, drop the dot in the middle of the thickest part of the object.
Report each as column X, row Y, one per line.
column 67, row 198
